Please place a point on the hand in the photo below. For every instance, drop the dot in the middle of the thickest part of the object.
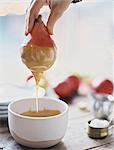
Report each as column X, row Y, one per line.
column 57, row 8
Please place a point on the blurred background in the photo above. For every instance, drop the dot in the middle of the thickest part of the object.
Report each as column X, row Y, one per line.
column 83, row 35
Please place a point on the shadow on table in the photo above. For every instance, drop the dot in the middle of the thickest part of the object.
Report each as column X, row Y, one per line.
column 59, row 146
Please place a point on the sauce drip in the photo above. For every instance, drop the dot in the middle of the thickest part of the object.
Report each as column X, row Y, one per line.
column 37, row 76
column 38, row 60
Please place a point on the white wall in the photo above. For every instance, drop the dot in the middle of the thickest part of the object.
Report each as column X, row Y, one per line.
column 84, row 36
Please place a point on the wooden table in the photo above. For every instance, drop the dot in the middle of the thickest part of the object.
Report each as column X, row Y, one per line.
column 76, row 137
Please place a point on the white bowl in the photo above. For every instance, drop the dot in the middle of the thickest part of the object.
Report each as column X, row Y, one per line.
column 37, row 132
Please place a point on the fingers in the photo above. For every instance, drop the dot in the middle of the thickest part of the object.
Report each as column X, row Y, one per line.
column 32, row 14
column 57, row 9
column 56, row 12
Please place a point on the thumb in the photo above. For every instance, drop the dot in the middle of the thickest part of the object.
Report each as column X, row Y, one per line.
column 56, row 12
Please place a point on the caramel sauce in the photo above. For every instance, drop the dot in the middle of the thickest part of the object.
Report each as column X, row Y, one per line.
column 41, row 113
column 38, row 60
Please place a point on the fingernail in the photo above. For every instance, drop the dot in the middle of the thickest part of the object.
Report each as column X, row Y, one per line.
column 50, row 31
column 26, row 33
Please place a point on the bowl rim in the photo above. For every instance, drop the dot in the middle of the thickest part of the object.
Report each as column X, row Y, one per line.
column 38, row 118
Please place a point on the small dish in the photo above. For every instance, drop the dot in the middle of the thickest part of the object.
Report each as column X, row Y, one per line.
column 3, row 108
column 3, row 112
column 4, row 116
column 97, row 133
